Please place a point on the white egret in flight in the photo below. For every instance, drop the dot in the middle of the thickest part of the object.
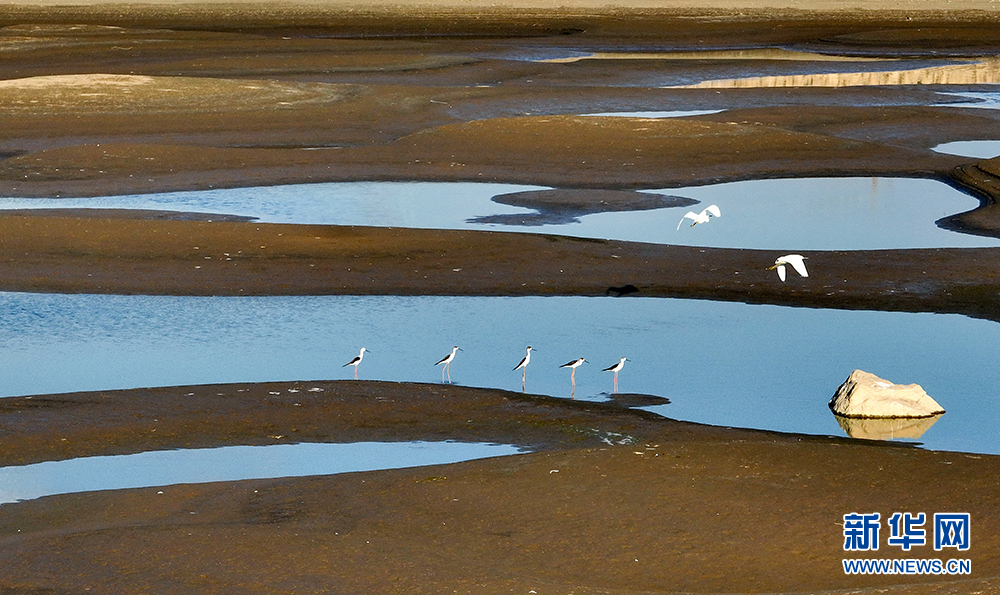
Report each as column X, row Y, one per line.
column 797, row 262
column 702, row 217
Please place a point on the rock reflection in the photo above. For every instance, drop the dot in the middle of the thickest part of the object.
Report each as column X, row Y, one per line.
column 886, row 428
column 984, row 71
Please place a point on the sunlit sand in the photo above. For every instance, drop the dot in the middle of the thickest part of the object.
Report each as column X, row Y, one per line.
column 983, row 72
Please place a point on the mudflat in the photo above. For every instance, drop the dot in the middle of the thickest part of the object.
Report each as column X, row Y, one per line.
column 607, row 500
column 119, row 99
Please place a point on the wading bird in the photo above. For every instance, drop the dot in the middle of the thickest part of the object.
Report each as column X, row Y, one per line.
column 701, row 217
column 523, row 366
column 572, row 376
column 796, row 260
column 446, row 360
column 616, row 368
column 574, row 365
column 356, row 361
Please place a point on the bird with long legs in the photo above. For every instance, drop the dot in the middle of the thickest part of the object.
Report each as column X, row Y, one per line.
column 796, row 261
column 356, row 362
column 573, row 365
column 702, row 217
column 446, row 360
column 523, row 365
column 616, row 368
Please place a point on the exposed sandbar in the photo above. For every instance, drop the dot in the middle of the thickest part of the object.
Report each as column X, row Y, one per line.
column 611, row 500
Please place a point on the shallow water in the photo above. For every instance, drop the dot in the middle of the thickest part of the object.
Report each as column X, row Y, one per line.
column 813, row 214
column 980, row 149
column 656, row 115
column 981, row 100
column 230, row 463
column 788, row 214
column 753, row 54
column 732, row 364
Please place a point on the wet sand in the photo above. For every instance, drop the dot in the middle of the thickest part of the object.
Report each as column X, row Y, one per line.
column 268, row 96
column 610, row 500
column 163, row 256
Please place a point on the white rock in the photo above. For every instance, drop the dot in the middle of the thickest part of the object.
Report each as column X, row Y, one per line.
column 866, row 395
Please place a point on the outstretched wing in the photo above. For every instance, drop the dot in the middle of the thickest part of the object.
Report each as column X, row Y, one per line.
column 689, row 215
column 781, row 271
column 798, row 263
column 714, row 210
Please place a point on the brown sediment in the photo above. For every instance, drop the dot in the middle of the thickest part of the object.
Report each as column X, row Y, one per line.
column 103, row 213
column 144, row 98
column 983, row 180
column 143, row 256
column 125, row 421
column 609, row 500
column 565, row 151
column 91, row 110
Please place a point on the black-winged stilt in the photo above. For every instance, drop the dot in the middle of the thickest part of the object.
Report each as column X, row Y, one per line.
column 572, row 376
column 446, row 360
column 574, row 365
column 616, row 368
column 523, row 365
column 356, row 361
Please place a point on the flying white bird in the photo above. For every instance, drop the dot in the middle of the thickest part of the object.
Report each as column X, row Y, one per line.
column 523, row 365
column 616, row 368
column 356, row 362
column 574, row 365
column 446, row 360
column 796, row 260
column 702, row 217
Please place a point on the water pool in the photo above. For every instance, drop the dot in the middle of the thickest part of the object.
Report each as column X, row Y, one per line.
column 229, row 463
column 794, row 214
column 978, row 149
column 733, row 364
